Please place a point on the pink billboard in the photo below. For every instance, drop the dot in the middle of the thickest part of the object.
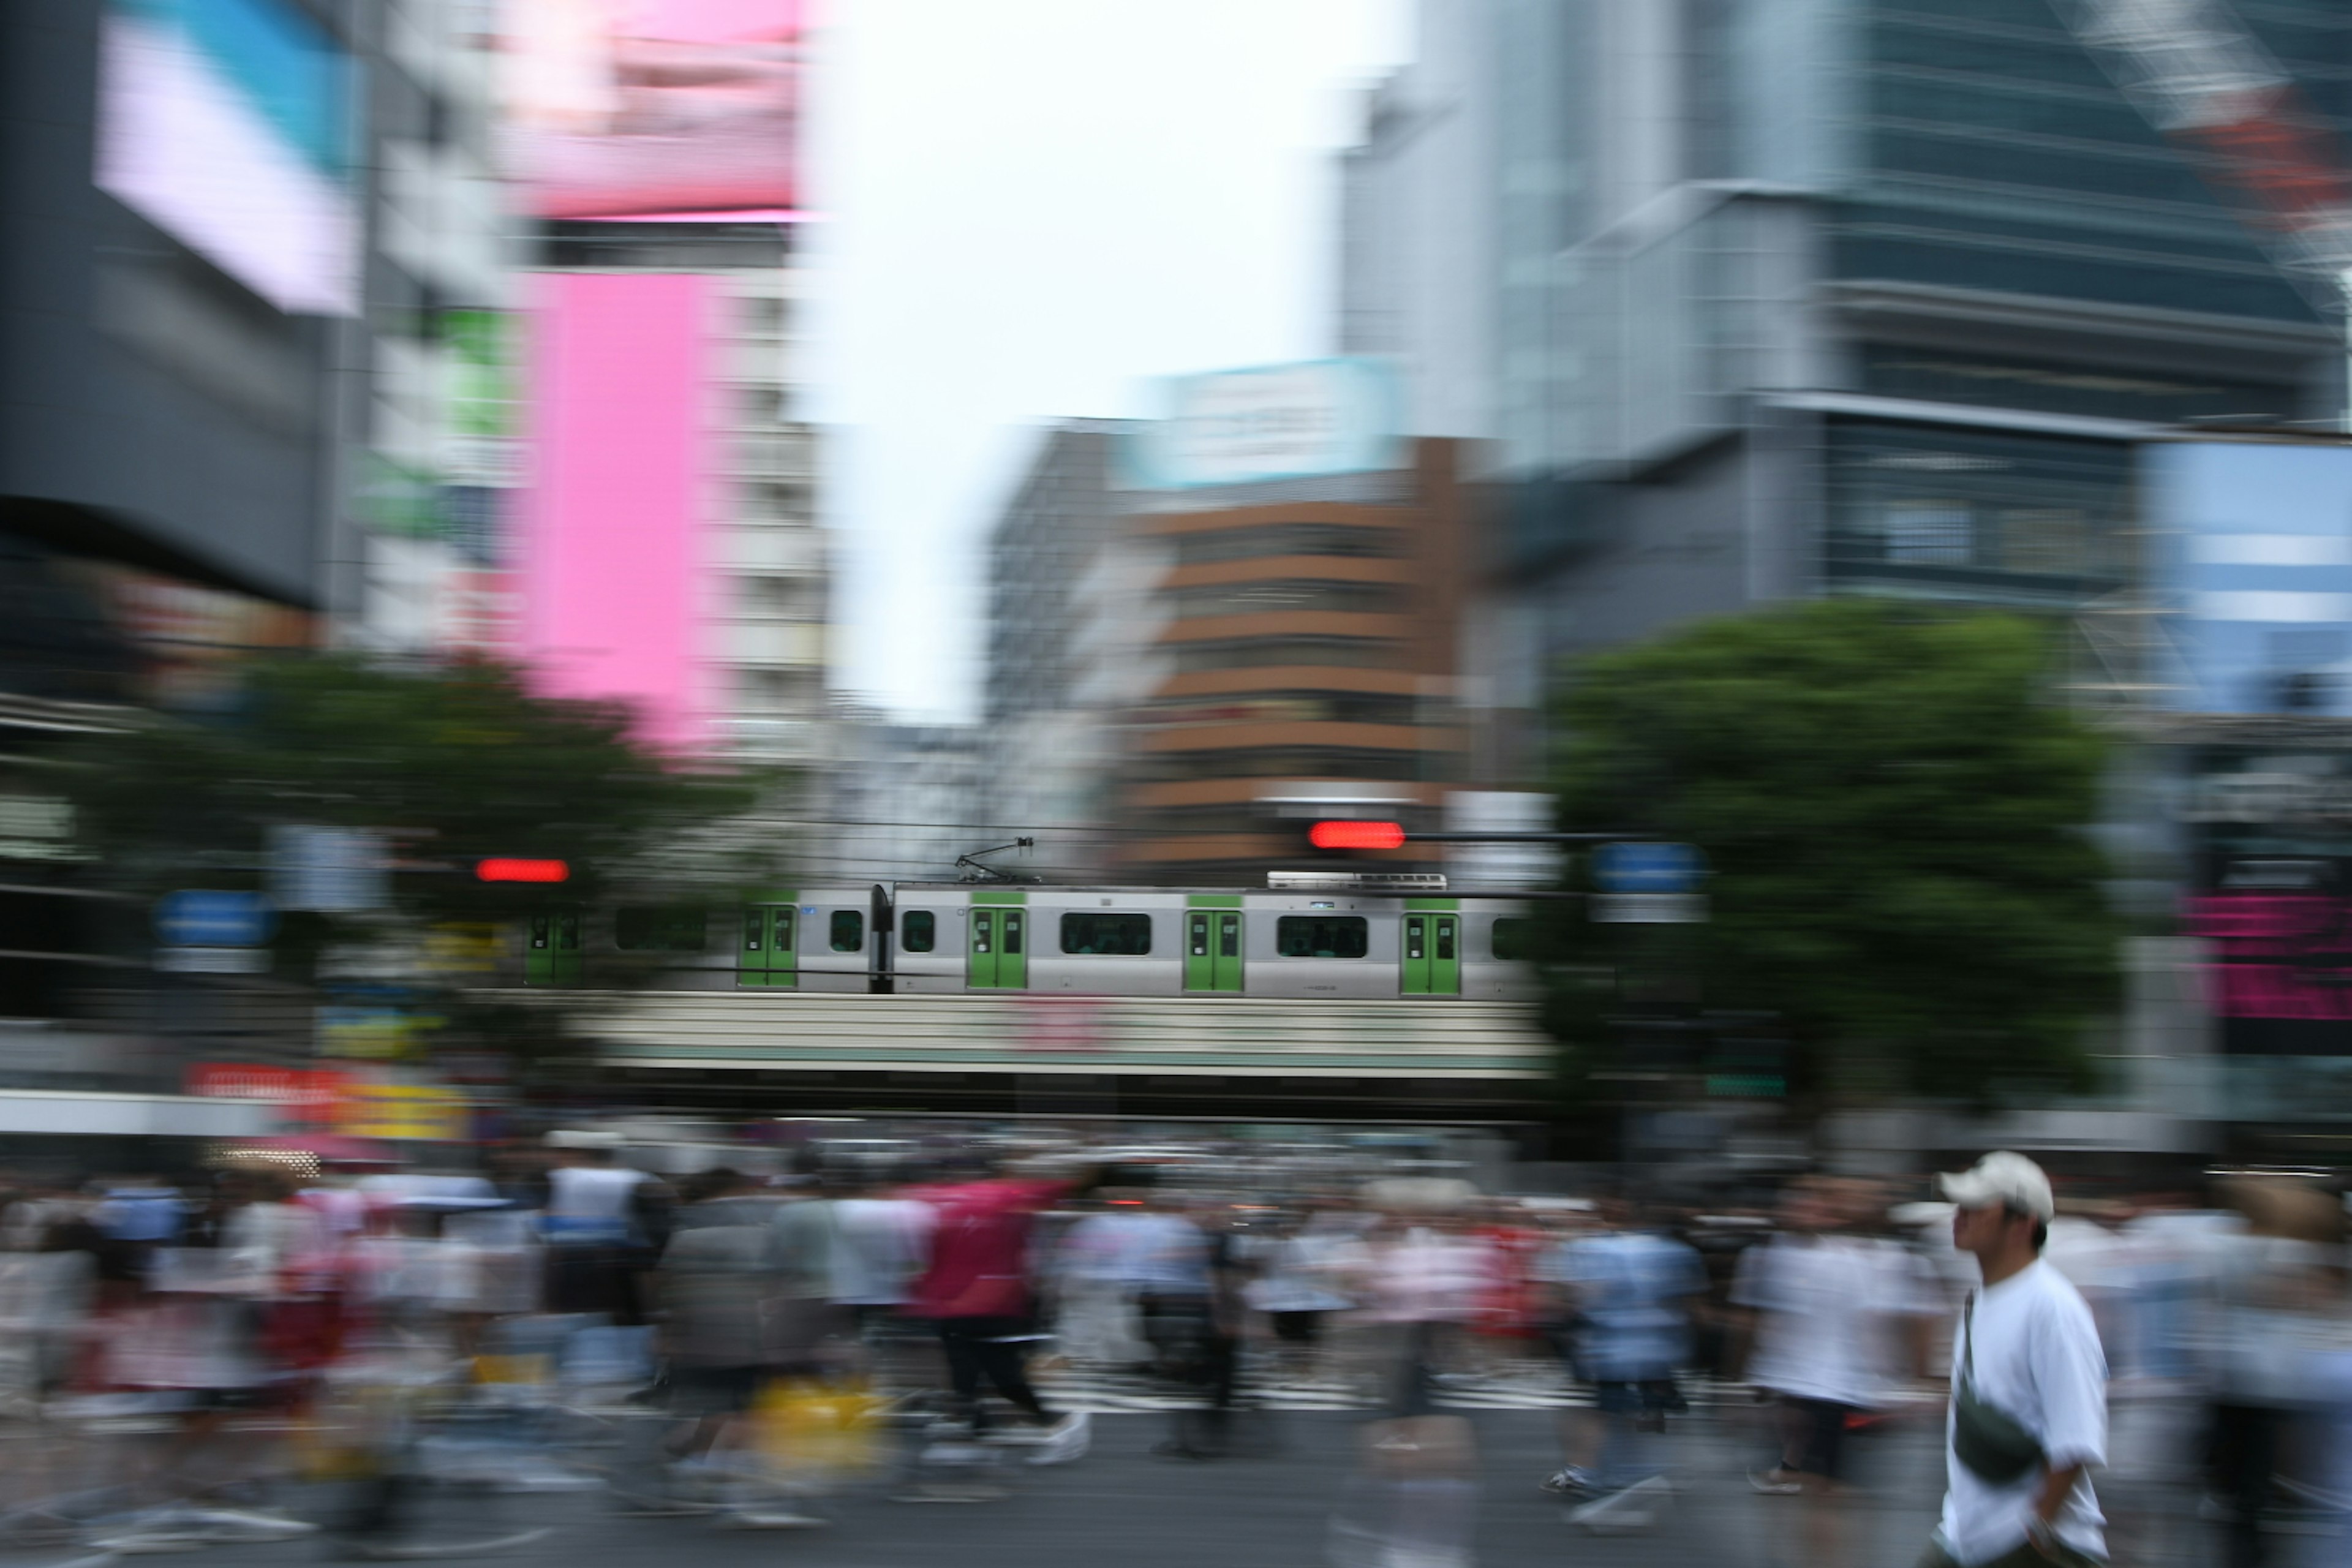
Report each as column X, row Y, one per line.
column 679, row 109
column 615, row 563
column 2276, row 955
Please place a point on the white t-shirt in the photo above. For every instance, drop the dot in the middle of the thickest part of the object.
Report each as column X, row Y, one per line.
column 1831, row 1307
column 2037, row 1361
column 591, row 1202
column 882, row 1246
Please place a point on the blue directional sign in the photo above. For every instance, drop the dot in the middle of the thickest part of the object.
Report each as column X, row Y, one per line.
column 194, row 917
column 1638, row 868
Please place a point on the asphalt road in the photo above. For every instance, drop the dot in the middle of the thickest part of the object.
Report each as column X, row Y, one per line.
column 1123, row 1505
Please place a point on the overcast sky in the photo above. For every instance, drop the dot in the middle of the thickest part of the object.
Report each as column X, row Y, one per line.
column 1032, row 207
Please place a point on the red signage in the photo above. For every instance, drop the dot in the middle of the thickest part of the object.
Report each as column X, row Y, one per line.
column 511, row 870
column 309, row 1094
column 1356, row 836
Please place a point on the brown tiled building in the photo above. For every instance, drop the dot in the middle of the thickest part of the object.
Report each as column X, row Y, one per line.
column 1307, row 659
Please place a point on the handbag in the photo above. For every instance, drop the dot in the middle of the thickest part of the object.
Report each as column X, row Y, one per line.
column 1988, row 1440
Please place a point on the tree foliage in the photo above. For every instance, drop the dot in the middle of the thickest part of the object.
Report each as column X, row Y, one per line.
column 451, row 762
column 1893, row 818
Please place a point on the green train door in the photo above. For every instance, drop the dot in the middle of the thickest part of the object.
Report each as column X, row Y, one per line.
column 1432, row 953
column 767, row 954
column 996, row 944
column 1213, row 943
column 552, row 954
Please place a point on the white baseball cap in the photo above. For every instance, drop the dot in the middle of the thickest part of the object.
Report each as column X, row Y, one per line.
column 2000, row 1177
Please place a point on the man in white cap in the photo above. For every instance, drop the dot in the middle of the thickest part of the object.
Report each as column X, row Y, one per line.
column 2029, row 1415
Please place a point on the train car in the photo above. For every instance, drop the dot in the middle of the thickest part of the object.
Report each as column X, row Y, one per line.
column 785, row 939
column 967, row 938
column 1334, row 940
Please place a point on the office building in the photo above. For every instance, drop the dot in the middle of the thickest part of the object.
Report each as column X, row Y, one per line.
column 1309, row 637
column 669, row 552
column 234, row 236
column 1071, row 645
column 1794, row 297
column 1209, row 629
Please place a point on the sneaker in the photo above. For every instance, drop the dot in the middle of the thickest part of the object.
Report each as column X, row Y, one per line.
column 1776, row 1482
column 247, row 1526
column 953, row 1455
column 145, row 1537
column 1066, row 1441
column 1624, row 1512
column 1570, row 1480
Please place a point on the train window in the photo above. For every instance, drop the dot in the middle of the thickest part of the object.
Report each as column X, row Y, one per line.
column 651, row 928
column 1012, row 932
column 567, row 932
column 1119, row 936
column 1514, row 939
column 1322, row 936
column 848, row 931
column 919, row 932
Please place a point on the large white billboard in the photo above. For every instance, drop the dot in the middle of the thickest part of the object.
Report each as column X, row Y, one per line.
column 1270, row 422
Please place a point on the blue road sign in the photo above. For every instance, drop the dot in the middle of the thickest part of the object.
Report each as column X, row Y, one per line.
column 1637, row 867
column 194, row 917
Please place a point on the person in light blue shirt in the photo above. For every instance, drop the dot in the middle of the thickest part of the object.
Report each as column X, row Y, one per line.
column 1631, row 1287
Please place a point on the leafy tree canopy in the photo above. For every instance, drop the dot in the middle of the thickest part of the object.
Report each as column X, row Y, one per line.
column 1892, row 814
column 452, row 764
column 455, row 762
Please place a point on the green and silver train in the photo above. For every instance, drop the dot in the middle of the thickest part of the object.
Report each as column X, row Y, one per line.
column 1319, row 938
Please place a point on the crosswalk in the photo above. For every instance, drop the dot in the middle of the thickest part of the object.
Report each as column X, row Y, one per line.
column 1110, row 1390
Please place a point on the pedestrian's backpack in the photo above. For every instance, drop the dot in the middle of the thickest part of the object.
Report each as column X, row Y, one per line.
column 1989, row 1442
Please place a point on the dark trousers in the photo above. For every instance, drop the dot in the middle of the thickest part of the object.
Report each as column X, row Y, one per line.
column 985, row 1347
column 2243, row 1460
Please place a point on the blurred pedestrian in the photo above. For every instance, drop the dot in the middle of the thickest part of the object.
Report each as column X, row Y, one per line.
column 1097, row 1275
column 604, row 1223
column 1633, row 1287
column 2029, row 1415
column 1824, row 1308
column 1302, row 1282
column 720, row 1277
column 976, row 1288
column 2280, row 1311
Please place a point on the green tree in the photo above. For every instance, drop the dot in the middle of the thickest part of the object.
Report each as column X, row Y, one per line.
column 1893, row 812
column 452, row 763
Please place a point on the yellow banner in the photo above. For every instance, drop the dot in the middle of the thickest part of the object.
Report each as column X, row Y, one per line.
column 401, row 1110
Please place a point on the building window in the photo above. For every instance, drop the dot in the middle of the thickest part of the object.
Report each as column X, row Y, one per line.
column 1354, row 653
column 1286, row 538
column 1929, row 532
column 1296, row 593
column 1106, row 935
column 1322, row 936
column 846, row 931
column 643, row 927
column 919, row 932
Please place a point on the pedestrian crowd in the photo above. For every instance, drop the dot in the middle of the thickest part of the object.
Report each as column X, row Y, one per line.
column 191, row 1365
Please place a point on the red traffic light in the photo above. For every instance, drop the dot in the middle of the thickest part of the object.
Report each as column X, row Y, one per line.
column 521, row 871
column 1356, row 836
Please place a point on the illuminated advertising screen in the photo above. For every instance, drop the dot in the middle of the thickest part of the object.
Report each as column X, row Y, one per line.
column 227, row 123
column 645, row 108
column 2253, row 548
